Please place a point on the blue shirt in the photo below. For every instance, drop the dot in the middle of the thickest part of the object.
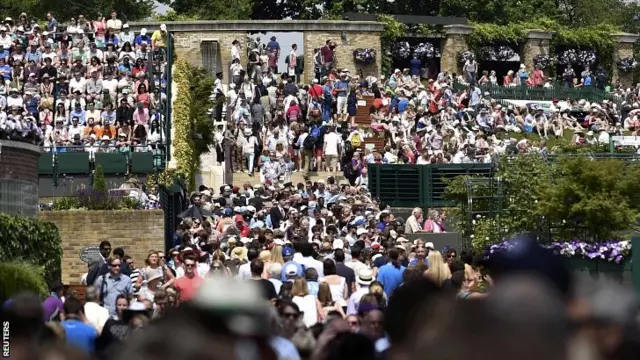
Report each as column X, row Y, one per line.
column 402, row 105
column 415, row 66
column 273, row 46
column 142, row 38
column 415, row 261
column 342, row 87
column 80, row 335
column 390, row 277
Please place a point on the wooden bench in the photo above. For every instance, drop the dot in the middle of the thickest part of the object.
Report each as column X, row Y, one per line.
column 362, row 113
column 378, row 143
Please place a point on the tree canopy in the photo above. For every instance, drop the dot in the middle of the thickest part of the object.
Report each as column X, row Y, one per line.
column 566, row 12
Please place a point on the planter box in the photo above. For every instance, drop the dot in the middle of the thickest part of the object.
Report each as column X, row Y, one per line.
column 581, row 264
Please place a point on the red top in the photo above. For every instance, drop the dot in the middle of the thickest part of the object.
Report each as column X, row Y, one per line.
column 188, row 287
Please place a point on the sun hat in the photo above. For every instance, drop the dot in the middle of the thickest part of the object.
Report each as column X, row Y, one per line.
column 365, row 276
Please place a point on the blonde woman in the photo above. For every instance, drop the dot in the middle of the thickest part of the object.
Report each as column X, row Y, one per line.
column 326, row 301
column 276, row 254
column 438, row 271
column 265, row 256
column 153, row 264
column 308, row 304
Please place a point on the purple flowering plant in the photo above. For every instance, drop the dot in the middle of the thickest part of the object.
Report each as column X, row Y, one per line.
column 613, row 251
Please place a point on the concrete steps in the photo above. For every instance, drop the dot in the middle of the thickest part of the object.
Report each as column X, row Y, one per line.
column 241, row 178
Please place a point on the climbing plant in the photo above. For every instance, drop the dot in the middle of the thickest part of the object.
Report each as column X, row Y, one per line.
column 597, row 37
column 193, row 128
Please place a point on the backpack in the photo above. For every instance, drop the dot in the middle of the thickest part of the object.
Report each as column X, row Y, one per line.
column 356, row 140
column 348, row 147
column 309, row 142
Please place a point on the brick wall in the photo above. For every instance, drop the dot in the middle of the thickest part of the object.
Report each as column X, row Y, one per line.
column 19, row 161
column 344, row 50
column 187, row 45
column 135, row 231
column 622, row 50
column 538, row 43
column 452, row 45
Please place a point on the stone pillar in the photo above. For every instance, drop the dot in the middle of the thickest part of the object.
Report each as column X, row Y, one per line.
column 454, row 43
column 623, row 48
column 536, row 43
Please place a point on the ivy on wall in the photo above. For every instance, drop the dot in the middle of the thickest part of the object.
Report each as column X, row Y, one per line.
column 597, row 38
column 193, row 128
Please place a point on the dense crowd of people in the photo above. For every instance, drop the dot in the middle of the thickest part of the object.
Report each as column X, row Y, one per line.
column 82, row 85
column 276, row 125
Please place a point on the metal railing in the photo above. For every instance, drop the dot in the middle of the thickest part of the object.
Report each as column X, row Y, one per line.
column 79, row 160
column 544, row 94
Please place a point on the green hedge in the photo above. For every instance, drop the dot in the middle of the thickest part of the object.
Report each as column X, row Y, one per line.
column 33, row 241
column 18, row 277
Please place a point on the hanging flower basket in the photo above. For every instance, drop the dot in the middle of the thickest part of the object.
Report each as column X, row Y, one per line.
column 401, row 50
column 364, row 56
column 626, row 64
column 464, row 56
column 426, row 51
column 543, row 61
column 499, row 53
column 577, row 57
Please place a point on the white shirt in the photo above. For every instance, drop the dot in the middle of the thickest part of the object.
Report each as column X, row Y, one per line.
column 96, row 315
column 235, row 52
column 309, row 262
column 244, row 272
column 331, row 141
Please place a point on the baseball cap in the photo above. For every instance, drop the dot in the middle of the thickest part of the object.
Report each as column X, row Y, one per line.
column 287, row 251
column 361, row 231
column 338, row 244
column 429, row 246
column 291, row 270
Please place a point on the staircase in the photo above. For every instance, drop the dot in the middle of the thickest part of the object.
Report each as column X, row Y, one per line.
column 240, row 178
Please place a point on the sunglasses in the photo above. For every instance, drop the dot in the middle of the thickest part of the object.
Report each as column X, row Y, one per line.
column 451, row 256
column 175, row 254
column 188, row 265
column 289, row 315
column 115, row 265
column 353, row 323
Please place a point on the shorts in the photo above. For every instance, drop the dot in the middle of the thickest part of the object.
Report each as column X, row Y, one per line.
column 331, row 160
column 318, row 152
column 341, row 106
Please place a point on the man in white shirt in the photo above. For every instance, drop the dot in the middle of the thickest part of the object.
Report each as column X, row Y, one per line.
column 114, row 24
column 413, row 222
column 235, row 50
column 330, row 149
column 78, row 83
column 96, row 314
column 244, row 271
column 305, row 258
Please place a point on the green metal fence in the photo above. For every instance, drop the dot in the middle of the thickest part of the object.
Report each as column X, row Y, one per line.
column 542, row 94
column 418, row 185
column 115, row 163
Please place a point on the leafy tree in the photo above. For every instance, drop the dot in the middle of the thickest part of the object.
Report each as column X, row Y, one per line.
column 212, row 9
column 64, row 10
column 598, row 196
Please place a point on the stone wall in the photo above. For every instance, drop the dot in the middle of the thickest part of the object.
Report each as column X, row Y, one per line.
column 348, row 35
column 452, row 45
column 623, row 49
column 538, row 43
column 135, row 231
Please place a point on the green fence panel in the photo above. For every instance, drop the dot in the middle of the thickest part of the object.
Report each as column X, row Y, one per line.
column 45, row 164
column 112, row 163
column 142, row 162
column 441, row 174
column 398, row 185
column 635, row 258
column 73, row 162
